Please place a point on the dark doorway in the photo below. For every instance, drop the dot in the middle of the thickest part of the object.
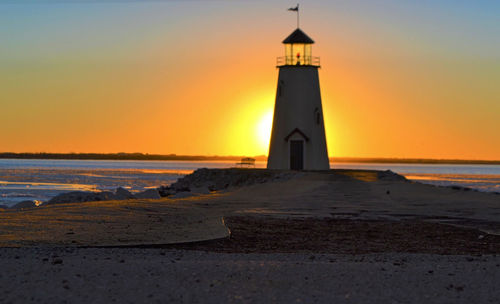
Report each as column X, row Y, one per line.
column 296, row 154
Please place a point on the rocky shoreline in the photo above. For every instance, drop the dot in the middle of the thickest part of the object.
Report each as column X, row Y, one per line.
column 87, row 196
column 201, row 181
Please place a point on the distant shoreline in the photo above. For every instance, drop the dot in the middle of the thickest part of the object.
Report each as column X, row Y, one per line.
column 174, row 157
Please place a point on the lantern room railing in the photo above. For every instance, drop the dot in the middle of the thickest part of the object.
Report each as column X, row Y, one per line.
column 293, row 60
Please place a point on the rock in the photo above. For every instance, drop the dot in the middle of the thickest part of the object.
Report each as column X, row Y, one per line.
column 23, row 204
column 200, row 190
column 388, row 175
column 123, row 194
column 182, row 194
column 182, row 185
column 148, row 194
column 220, row 179
column 204, row 181
column 165, row 191
column 27, row 204
column 81, row 196
column 104, row 196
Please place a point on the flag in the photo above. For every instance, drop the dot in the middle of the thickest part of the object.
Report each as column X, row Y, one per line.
column 295, row 9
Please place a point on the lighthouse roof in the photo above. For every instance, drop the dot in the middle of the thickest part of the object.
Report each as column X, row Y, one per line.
column 298, row 36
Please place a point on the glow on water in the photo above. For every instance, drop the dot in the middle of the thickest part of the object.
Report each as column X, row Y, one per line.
column 4, row 185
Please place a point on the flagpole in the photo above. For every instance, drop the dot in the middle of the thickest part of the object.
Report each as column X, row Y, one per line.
column 296, row 9
column 297, row 15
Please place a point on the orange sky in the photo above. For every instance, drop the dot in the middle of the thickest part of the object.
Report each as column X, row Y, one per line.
column 197, row 78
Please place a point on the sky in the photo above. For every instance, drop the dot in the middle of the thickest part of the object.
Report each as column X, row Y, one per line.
column 401, row 78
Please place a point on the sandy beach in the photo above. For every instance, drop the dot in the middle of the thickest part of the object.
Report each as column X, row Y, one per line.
column 343, row 235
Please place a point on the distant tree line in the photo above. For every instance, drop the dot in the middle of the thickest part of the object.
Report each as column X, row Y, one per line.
column 413, row 161
column 117, row 156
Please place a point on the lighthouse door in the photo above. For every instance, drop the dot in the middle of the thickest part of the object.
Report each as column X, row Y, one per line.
column 296, row 154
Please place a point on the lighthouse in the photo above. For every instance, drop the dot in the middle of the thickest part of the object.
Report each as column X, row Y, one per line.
column 298, row 134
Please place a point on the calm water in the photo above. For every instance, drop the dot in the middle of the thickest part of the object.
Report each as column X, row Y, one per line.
column 42, row 179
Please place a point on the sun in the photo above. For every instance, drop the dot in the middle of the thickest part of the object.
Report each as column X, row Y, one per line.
column 263, row 130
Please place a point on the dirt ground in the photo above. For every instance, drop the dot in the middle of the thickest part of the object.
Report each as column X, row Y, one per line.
column 343, row 236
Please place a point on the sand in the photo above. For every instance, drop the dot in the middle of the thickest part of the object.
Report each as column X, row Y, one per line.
column 345, row 236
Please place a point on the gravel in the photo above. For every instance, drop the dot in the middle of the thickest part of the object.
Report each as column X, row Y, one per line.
column 155, row 275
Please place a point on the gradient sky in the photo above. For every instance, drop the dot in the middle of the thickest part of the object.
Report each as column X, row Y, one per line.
column 398, row 78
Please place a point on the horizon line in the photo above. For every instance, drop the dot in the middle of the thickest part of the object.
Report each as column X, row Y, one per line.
column 173, row 156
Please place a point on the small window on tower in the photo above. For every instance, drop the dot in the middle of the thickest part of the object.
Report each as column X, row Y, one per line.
column 317, row 116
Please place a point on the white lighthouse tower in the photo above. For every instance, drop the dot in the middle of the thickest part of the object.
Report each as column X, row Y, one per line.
column 298, row 135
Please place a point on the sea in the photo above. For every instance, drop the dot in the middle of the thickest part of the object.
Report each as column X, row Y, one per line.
column 36, row 179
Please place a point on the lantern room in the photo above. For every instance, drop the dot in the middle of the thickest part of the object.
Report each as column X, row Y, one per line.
column 298, row 50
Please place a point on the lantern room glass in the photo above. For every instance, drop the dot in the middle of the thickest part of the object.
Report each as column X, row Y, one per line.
column 298, row 54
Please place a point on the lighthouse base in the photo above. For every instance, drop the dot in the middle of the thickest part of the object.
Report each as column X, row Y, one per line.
column 298, row 136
